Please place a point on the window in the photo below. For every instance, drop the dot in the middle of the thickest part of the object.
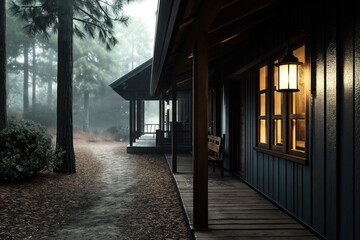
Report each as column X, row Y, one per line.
column 282, row 117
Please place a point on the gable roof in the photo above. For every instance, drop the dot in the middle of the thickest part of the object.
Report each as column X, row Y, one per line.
column 136, row 83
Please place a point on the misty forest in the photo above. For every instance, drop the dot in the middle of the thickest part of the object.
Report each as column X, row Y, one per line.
column 61, row 57
column 63, row 130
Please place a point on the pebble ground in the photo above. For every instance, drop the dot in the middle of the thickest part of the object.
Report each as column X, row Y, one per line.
column 135, row 199
column 113, row 195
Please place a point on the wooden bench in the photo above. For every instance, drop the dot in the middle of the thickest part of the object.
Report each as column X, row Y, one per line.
column 216, row 147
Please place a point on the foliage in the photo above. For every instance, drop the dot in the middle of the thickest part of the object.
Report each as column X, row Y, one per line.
column 119, row 132
column 92, row 18
column 91, row 67
column 25, row 150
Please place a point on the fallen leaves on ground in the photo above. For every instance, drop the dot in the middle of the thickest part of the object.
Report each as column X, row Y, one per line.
column 37, row 207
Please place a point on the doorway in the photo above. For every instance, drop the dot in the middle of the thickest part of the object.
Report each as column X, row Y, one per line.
column 238, row 126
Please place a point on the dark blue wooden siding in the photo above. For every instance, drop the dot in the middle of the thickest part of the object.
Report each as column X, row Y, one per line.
column 325, row 194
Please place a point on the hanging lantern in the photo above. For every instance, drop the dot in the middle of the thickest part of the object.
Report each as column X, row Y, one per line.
column 288, row 73
column 167, row 106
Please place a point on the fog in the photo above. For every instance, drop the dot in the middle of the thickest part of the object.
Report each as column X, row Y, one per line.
column 32, row 72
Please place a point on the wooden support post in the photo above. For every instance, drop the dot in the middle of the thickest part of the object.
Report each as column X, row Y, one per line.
column 142, row 116
column 138, row 119
column 174, row 132
column 161, row 114
column 131, row 123
column 200, row 133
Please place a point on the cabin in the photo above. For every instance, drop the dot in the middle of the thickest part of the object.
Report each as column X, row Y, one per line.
column 281, row 80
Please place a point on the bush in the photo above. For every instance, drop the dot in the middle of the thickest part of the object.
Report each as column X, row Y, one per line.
column 119, row 132
column 25, row 150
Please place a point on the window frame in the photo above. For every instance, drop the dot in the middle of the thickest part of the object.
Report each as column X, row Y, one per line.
column 258, row 116
column 285, row 151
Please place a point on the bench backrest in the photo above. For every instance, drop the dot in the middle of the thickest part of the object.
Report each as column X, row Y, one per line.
column 216, row 146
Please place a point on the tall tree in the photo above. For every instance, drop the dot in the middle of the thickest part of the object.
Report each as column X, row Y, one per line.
column 33, row 98
column 64, row 134
column 26, row 80
column 2, row 65
column 92, row 18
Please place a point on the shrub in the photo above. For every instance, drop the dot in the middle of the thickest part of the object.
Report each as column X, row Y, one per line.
column 25, row 150
column 119, row 132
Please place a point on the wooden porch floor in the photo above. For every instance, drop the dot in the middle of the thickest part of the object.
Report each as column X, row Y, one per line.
column 236, row 211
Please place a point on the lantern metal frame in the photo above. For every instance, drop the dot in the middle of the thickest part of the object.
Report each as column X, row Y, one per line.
column 288, row 59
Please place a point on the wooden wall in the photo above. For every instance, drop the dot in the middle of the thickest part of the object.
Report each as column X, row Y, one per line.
column 325, row 194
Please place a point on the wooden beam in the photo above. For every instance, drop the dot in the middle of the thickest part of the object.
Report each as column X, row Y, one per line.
column 236, row 29
column 200, row 132
column 207, row 14
column 174, row 132
column 235, row 12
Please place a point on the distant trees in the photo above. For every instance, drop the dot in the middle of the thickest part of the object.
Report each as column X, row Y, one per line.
column 92, row 72
column 2, row 65
column 91, row 18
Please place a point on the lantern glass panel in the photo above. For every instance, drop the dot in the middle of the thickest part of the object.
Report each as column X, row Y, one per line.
column 293, row 75
column 284, row 76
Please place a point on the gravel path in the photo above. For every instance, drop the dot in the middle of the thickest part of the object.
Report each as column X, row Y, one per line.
column 113, row 195
column 136, row 199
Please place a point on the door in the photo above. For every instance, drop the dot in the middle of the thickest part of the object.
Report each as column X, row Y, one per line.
column 237, row 126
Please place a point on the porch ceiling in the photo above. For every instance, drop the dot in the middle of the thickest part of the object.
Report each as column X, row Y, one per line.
column 227, row 22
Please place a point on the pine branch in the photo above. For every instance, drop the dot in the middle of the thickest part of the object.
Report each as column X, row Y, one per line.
column 91, row 23
column 88, row 14
column 102, row 9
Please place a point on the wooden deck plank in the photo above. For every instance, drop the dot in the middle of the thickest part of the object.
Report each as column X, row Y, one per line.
column 235, row 210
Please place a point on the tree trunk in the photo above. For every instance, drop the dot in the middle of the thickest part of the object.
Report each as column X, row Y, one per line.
column 86, row 112
column 34, row 78
column 26, row 81
column 64, row 134
column 49, row 89
column 2, row 65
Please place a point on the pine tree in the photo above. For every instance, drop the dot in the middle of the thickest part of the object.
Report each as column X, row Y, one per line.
column 93, row 18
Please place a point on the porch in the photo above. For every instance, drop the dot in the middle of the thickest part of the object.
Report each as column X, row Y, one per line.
column 236, row 211
column 147, row 143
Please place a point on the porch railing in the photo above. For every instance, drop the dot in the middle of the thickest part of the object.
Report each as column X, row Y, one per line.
column 151, row 128
column 164, row 137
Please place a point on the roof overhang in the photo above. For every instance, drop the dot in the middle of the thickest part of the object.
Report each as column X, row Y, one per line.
column 135, row 84
column 226, row 22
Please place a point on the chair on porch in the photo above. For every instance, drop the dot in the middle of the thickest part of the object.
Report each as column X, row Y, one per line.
column 216, row 147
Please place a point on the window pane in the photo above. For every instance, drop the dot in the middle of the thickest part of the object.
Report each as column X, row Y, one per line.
column 263, row 104
column 263, row 131
column 298, row 134
column 278, row 139
column 263, row 78
column 299, row 98
column 278, row 97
